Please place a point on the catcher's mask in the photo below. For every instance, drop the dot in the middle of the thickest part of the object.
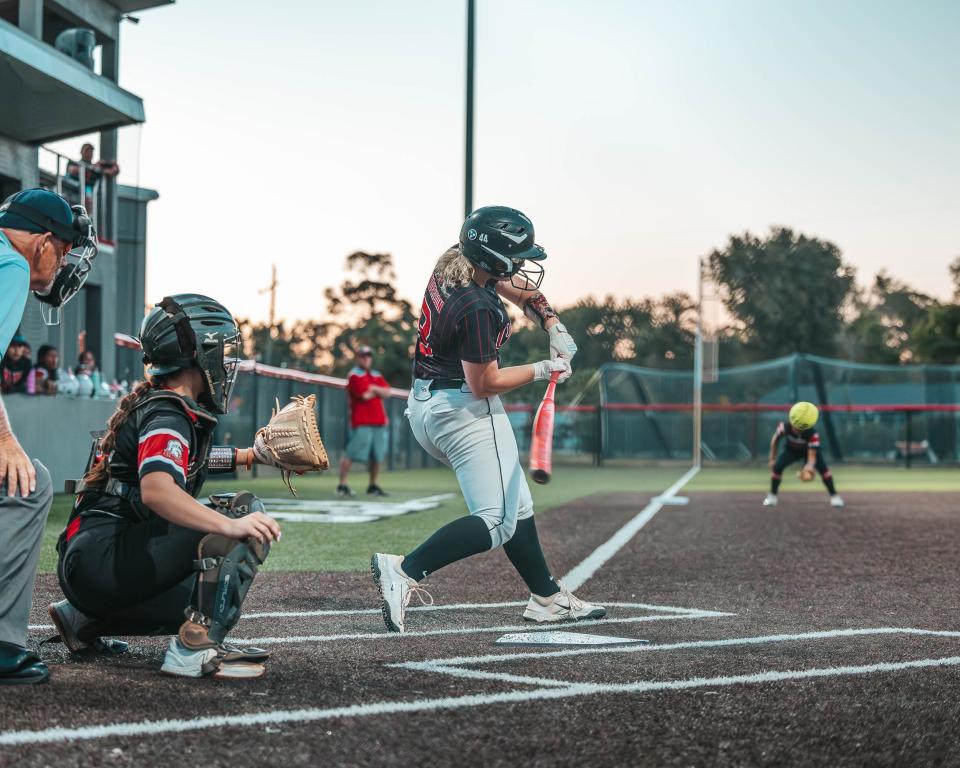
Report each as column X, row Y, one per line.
column 190, row 329
column 500, row 240
column 81, row 235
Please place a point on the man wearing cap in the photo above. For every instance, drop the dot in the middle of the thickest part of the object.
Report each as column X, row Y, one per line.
column 35, row 237
column 368, row 422
column 15, row 366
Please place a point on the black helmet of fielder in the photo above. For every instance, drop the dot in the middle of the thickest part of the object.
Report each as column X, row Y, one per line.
column 499, row 240
column 190, row 329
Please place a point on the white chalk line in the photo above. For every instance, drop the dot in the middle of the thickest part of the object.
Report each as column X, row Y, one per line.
column 453, row 607
column 394, row 636
column 596, row 559
column 154, row 727
column 493, row 658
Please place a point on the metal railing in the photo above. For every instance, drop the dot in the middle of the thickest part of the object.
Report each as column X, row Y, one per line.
column 85, row 187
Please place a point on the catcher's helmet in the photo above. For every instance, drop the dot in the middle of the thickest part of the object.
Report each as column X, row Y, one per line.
column 499, row 240
column 190, row 329
column 803, row 415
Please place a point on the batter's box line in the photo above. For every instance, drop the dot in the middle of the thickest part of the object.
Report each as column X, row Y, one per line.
column 394, row 636
column 443, row 665
column 671, row 609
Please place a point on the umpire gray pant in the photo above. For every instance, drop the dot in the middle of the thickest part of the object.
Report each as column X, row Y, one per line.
column 22, row 521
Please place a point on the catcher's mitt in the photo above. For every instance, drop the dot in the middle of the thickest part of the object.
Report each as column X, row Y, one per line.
column 291, row 441
column 806, row 475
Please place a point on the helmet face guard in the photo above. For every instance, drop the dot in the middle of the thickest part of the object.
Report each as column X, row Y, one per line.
column 218, row 358
column 70, row 279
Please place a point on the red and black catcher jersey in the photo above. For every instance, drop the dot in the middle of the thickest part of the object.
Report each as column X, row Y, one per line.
column 799, row 441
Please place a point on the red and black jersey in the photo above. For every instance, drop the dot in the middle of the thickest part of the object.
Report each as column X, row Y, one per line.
column 464, row 324
column 165, row 432
column 798, row 441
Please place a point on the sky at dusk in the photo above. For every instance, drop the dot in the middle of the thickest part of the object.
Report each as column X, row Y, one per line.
column 637, row 135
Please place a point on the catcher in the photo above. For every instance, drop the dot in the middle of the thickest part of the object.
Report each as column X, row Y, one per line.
column 140, row 554
column 801, row 443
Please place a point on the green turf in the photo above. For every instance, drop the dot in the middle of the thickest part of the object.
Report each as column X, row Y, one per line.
column 337, row 547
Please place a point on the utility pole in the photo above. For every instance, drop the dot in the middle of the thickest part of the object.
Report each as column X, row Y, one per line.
column 272, row 290
column 468, row 169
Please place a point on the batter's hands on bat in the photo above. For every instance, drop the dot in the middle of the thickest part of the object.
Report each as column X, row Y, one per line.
column 17, row 472
column 561, row 343
column 544, row 368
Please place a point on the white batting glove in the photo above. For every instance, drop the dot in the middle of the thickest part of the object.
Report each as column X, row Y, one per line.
column 544, row 368
column 561, row 343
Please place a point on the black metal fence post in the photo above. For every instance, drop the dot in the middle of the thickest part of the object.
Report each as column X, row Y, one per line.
column 909, row 438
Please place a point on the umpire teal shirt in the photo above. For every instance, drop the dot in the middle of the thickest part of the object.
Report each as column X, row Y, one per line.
column 14, row 289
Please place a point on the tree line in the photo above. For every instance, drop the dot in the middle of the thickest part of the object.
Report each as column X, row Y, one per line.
column 780, row 294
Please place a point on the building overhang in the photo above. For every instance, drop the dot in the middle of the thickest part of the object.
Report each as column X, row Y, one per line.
column 45, row 95
column 130, row 6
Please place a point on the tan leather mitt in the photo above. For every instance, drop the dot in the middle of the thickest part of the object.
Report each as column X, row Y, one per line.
column 806, row 475
column 291, row 441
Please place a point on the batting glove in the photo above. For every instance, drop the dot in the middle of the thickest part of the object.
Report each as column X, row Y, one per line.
column 544, row 368
column 561, row 343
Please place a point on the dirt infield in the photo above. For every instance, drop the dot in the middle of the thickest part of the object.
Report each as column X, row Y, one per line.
column 795, row 635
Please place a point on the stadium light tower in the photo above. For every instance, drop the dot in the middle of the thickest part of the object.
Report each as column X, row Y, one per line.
column 468, row 148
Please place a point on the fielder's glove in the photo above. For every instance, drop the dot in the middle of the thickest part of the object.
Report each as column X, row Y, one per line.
column 544, row 368
column 291, row 441
column 806, row 474
column 561, row 343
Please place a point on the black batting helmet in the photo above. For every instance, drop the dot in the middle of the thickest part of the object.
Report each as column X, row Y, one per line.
column 499, row 240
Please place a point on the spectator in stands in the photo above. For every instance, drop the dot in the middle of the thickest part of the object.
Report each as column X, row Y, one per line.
column 92, row 172
column 15, row 366
column 42, row 379
column 368, row 422
column 86, row 363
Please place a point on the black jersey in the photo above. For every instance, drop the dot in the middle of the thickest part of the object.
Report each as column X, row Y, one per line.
column 165, row 432
column 465, row 324
column 799, row 441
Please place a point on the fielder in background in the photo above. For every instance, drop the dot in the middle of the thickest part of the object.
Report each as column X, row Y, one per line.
column 455, row 412
column 140, row 555
column 37, row 230
column 368, row 423
column 800, row 443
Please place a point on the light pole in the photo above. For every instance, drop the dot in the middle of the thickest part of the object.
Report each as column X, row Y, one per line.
column 468, row 160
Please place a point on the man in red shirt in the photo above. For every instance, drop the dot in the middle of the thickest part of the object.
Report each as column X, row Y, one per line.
column 368, row 422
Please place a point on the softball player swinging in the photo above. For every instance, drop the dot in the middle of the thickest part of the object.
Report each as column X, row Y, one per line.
column 455, row 412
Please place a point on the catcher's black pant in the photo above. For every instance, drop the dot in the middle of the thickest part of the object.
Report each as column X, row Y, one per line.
column 135, row 577
column 788, row 456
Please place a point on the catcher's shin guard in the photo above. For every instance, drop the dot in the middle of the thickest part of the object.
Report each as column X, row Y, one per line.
column 227, row 569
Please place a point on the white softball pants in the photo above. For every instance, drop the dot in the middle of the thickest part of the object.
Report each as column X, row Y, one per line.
column 474, row 437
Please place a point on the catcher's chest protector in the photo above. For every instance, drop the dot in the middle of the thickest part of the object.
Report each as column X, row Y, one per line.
column 123, row 462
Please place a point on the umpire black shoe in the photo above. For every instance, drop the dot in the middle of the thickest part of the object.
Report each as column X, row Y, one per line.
column 20, row 666
column 376, row 490
column 345, row 491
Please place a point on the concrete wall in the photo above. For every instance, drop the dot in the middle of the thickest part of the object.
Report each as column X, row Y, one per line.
column 18, row 161
column 56, row 430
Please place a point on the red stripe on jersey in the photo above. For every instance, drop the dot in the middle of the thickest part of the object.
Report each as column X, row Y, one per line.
column 74, row 527
column 164, row 446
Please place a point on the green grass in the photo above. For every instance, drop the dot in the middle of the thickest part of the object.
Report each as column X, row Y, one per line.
column 347, row 547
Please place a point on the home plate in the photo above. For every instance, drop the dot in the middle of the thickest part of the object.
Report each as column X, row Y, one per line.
column 563, row 638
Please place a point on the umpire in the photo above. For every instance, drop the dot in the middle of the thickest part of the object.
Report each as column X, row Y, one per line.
column 33, row 249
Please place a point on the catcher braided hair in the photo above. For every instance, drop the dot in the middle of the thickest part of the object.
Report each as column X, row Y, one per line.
column 97, row 476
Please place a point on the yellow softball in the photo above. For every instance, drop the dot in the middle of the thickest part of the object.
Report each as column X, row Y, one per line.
column 803, row 415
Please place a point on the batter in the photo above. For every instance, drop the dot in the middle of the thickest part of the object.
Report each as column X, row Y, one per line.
column 455, row 412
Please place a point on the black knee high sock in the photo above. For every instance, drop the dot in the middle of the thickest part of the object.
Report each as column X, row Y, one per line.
column 457, row 540
column 527, row 557
column 828, row 482
column 775, row 485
